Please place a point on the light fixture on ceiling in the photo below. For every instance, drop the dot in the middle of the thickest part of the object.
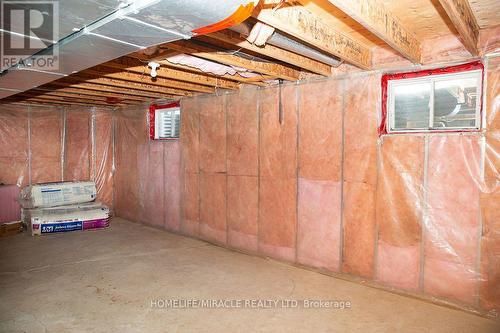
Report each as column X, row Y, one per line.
column 154, row 66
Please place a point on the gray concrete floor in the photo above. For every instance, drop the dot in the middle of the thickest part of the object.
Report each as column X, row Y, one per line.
column 104, row 281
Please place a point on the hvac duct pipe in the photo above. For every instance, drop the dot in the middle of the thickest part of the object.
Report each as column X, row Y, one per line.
column 279, row 40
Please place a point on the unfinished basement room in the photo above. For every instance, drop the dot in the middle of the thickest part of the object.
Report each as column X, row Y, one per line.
column 218, row 166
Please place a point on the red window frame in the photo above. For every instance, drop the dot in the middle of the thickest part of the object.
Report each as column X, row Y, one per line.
column 152, row 116
column 430, row 72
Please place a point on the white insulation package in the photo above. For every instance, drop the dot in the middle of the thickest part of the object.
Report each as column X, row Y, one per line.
column 67, row 218
column 57, row 194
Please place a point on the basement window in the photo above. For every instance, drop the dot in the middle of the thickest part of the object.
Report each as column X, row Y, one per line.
column 447, row 99
column 164, row 121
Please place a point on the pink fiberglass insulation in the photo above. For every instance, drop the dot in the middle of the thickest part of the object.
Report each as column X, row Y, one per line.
column 212, row 168
column 131, row 136
column 242, row 133
column 278, row 172
column 10, row 210
column 213, row 207
column 318, row 234
column 405, row 215
column 242, row 212
column 152, row 184
column 190, row 150
column 172, row 183
column 319, row 186
column 14, row 145
column 242, row 168
column 46, row 144
column 212, row 135
column 190, row 131
column 451, row 240
column 103, row 173
column 190, row 196
column 490, row 194
column 78, row 147
column 360, row 174
column 400, row 201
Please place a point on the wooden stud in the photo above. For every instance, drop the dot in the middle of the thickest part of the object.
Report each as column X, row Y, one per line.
column 374, row 16
column 301, row 24
column 463, row 19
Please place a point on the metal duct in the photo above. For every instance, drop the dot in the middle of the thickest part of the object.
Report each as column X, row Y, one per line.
column 129, row 27
column 279, row 40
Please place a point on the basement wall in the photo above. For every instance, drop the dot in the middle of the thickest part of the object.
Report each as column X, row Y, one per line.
column 415, row 213
column 147, row 187
column 51, row 144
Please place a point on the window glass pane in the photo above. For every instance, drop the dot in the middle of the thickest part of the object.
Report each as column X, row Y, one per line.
column 455, row 102
column 411, row 106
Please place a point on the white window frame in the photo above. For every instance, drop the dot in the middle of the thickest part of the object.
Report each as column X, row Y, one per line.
column 158, row 116
column 432, row 79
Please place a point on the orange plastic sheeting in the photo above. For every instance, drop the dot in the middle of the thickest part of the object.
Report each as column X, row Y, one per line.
column 78, row 147
column 399, row 206
column 360, row 174
column 46, row 144
column 278, row 172
column 14, row 145
column 320, row 163
column 104, row 156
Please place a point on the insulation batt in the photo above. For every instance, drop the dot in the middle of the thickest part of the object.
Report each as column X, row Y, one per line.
column 57, row 194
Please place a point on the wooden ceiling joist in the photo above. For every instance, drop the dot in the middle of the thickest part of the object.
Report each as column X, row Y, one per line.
column 39, row 100
column 33, row 94
column 88, row 92
column 374, row 16
column 137, row 66
column 235, row 77
column 274, row 52
column 103, row 72
column 226, row 58
column 102, row 88
column 129, row 85
column 300, row 23
column 463, row 19
column 66, row 94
